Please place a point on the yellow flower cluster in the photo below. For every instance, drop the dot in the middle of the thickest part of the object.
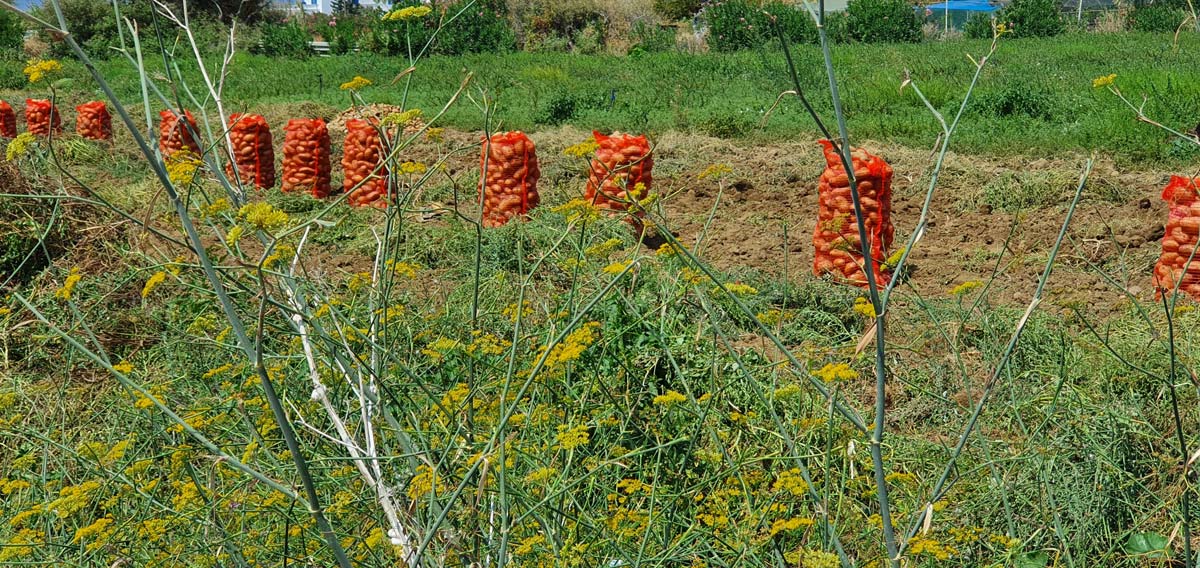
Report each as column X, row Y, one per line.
column 832, row 373
column 715, row 171
column 791, row 481
column 788, row 525
column 182, row 167
column 582, row 149
column 39, row 69
column 68, row 287
column 737, row 289
column 922, row 546
column 358, row 82
column 603, row 248
column 616, row 267
column 578, row 210
column 1104, row 81
column 407, row 13
column 19, row 146
column 965, row 287
column 401, row 118
column 153, row 282
column 669, row 398
column 573, row 345
column 263, row 216
column 864, row 307
column 413, row 168
column 573, row 437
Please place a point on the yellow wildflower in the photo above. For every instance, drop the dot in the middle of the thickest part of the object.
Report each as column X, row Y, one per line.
column 124, row 367
column 791, row 481
column 1104, row 81
column 582, row 149
column 38, row 69
column 263, row 216
column 435, row 134
column 571, row 438
column 413, row 168
column 215, row 208
column 19, row 146
column 603, row 248
column 616, row 267
column 1002, row 28
column 666, row 250
column 573, row 345
column 831, row 373
column 68, row 286
column 401, row 118
column 865, row 307
column 715, row 171
column 787, row 525
column 234, row 235
column 541, row 475
column 965, row 287
column 407, row 13
column 95, row 529
column 153, row 283
column 894, row 260
column 669, row 398
column 578, row 210
column 528, row 544
column 182, row 167
column 738, row 289
column 356, row 83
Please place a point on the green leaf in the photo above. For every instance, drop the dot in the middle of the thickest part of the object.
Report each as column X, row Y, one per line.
column 1037, row 559
column 1148, row 544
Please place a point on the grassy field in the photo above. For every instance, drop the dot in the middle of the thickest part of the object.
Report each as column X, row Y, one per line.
column 559, row 392
column 1035, row 98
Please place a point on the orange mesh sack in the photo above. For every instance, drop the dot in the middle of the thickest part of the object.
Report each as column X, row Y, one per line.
column 1179, row 241
column 41, row 116
column 8, row 121
column 361, row 156
column 510, row 177
column 838, row 248
column 306, row 164
column 621, row 171
column 252, row 151
column 92, row 121
column 174, row 136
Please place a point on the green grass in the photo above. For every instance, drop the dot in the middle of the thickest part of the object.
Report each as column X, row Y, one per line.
column 1035, row 97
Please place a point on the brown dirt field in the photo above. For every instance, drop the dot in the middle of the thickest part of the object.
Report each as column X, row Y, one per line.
column 1116, row 227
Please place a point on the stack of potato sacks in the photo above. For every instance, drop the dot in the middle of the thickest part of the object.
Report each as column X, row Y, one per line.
column 306, row 163
column 8, row 121
column 175, row 135
column 510, row 175
column 836, row 238
column 362, row 163
column 1179, row 241
column 92, row 121
column 252, row 151
column 621, row 172
column 42, row 117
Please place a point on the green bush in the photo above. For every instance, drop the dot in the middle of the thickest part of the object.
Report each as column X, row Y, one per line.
column 1033, row 18
column 647, row 37
column 978, row 26
column 482, row 27
column 879, row 21
column 12, row 36
column 745, row 24
column 676, row 9
column 92, row 23
column 1156, row 18
column 1019, row 98
column 285, row 40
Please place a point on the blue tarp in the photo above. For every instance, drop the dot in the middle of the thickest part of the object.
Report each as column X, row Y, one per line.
column 962, row 6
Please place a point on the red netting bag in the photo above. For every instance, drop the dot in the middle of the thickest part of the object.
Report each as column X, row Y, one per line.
column 41, row 116
column 838, row 248
column 174, row 136
column 251, row 138
column 621, row 171
column 1179, row 241
column 92, row 121
column 8, row 121
column 306, row 164
column 510, row 179
column 361, row 158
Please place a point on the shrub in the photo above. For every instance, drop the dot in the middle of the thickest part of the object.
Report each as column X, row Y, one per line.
column 549, row 25
column 1033, row 18
column 483, row 27
column 12, row 36
column 559, row 108
column 285, row 40
column 647, row 37
column 1156, row 18
column 744, row 24
column 978, row 26
column 876, row 21
column 1019, row 98
column 676, row 9
column 91, row 22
